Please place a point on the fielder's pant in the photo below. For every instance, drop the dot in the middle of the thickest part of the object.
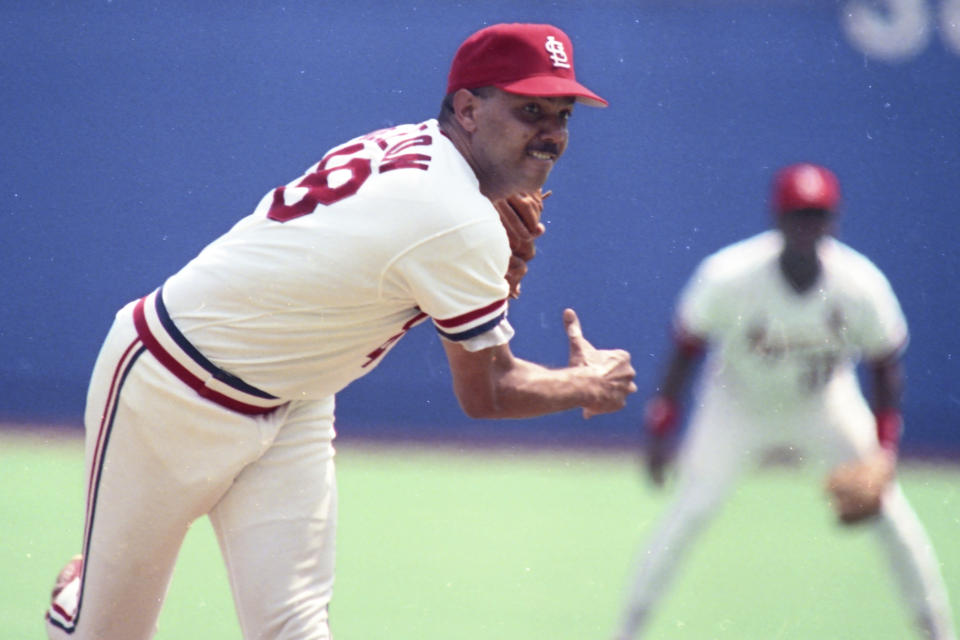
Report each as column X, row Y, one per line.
column 723, row 438
column 159, row 456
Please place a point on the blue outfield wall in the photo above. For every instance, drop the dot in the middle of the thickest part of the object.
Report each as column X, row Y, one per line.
column 134, row 133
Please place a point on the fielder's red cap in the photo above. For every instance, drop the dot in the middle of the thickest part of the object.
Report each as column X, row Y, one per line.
column 805, row 186
column 527, row 59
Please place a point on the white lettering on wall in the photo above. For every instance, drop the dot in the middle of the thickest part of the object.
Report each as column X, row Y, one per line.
column 900, row 29
column 950, row 24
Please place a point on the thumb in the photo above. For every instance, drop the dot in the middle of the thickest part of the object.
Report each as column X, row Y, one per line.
column 572, row 324
column 578, row 344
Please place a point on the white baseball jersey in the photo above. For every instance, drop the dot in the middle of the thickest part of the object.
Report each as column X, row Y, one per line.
column 773, row 346
column 215, row 394
column 308, row 292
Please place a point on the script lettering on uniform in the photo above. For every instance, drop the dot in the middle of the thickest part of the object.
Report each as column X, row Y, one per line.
column 818, row 357
column 395, row 159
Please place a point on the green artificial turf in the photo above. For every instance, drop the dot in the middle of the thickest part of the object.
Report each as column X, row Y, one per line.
column 441, row 543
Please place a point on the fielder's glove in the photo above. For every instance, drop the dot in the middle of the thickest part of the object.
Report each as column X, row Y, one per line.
column 520, row 215
column 856, row 489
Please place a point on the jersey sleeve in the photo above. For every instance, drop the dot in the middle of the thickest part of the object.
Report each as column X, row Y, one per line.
column 881, row 328
column 699, row 310
column 457, row 278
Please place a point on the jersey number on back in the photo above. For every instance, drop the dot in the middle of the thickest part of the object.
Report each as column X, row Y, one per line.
column 350, row 168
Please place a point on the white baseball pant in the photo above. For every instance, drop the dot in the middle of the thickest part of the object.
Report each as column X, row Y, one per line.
column 159, row 456
column 723, row 437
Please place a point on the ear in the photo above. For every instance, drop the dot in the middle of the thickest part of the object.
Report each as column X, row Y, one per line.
column 465, row 109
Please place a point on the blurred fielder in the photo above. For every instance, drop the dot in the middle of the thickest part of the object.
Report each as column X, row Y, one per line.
column 214, row 394
column 784, row 317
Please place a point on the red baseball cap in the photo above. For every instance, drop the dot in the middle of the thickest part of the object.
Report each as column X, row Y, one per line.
column 805, row 186
column 527, row 59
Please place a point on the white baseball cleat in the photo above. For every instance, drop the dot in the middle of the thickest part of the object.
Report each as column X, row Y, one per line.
column 65, row 593
column 67, row 575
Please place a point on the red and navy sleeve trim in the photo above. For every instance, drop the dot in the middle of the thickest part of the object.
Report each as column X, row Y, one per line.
column 476, row 331
column 472, row 323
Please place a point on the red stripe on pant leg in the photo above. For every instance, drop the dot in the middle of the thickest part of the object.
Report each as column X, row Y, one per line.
column 107, row 410
column 109, row 407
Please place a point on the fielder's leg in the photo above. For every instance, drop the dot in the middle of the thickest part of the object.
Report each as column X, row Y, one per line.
column 848, row 432
column 276, row 526
column 915, row 566
column 709, row 464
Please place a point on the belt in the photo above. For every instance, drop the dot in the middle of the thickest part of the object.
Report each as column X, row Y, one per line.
column 172, row 349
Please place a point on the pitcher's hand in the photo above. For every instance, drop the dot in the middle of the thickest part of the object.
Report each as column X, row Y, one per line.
column 612, row 372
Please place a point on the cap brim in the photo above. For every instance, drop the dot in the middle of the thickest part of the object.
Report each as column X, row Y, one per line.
column 554, row 87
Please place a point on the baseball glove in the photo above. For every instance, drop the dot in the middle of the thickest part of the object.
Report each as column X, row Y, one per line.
column 856, row 489
column 520, row 216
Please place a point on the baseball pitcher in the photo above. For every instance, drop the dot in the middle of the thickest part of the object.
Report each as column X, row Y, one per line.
column 214, row 394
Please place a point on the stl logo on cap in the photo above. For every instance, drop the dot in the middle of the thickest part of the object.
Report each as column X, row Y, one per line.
column 557, row 53
column 511, row 57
